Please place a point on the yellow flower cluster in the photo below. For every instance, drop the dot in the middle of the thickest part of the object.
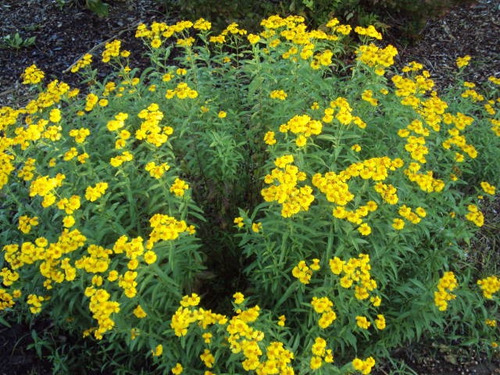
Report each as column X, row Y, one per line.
column 32, row 75
column 488, row 188
column 324, row 306
column 343, row 115
column 460, row 121
column 292, row 198
column 362, row 322
column 69, row 205
column 79, row 134
column 156, row 171
column 489, row 285
column 83, row 62
column 102, row 308
column 376, row 57
column 111, row 49
column 6, row 299
column 91, row 101
column 303, row 272
column 269, row 138
column 368, row 31
column 179, row 187
column 303, row 126
column 463, row 61
column 446, row 284
column 367, row 96
column 120, row 159
column 92, row 193
column 98, row 260
column 495, row 129
column 320, row 353
column 166, row 228
column 26, row 223
column 356, row 272
column 278, row 94
column 43, row 186
column 365, row 367
column 182, row 91
column 475, row 215
column 407, row 213
column 35, row 303
column 8, row 276
column 26, row 172
column 425, row 181
column 322, row 59
column 150, row 129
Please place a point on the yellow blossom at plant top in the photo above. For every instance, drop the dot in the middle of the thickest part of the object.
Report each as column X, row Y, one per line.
column 35, row 303
column 487, row 188
column 380, row 322
column 182, row 91
column 156, row 171
column 179, row 187
column 287, row 193
column 111, row 49
column 463, row 61
column 238, row 298
column 368, row 31
column 278, row 94
column 442, row 296
column 491, row 322
column 362, row 322
column 32, row 75
column 150, row 130
column 83, row 62
column 365, row 367
column 92, row 193
column 26, row 223
column 158, row 350
column 475, row 215
column 489, row 285
column 302, row 272
column 139, row 312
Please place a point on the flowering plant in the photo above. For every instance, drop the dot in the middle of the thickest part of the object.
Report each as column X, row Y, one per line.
column 358, row 189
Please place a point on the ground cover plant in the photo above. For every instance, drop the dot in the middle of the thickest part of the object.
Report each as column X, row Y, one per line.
column 342, row 192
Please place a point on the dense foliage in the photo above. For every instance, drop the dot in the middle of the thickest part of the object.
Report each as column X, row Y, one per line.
column 334, row 194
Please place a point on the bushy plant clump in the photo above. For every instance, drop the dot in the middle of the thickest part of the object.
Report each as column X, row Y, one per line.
column 358, row 188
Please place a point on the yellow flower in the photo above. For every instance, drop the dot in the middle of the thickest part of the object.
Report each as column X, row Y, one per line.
column 177, row 370
column 463, row 61
column 150, row 257
column 253, row 39
column 256, row 227
column 380, row 322
column 238, row 298
column 269, row 138
column 365, row 367
column 222, row 114
column 281, row 320
column 362, row 322
column 139, row 312
column 239, row 222
column 487, row 188
column 398, row 224
column 158, row 351
column 179, row 187
column 364, row 229
column 68, row 221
